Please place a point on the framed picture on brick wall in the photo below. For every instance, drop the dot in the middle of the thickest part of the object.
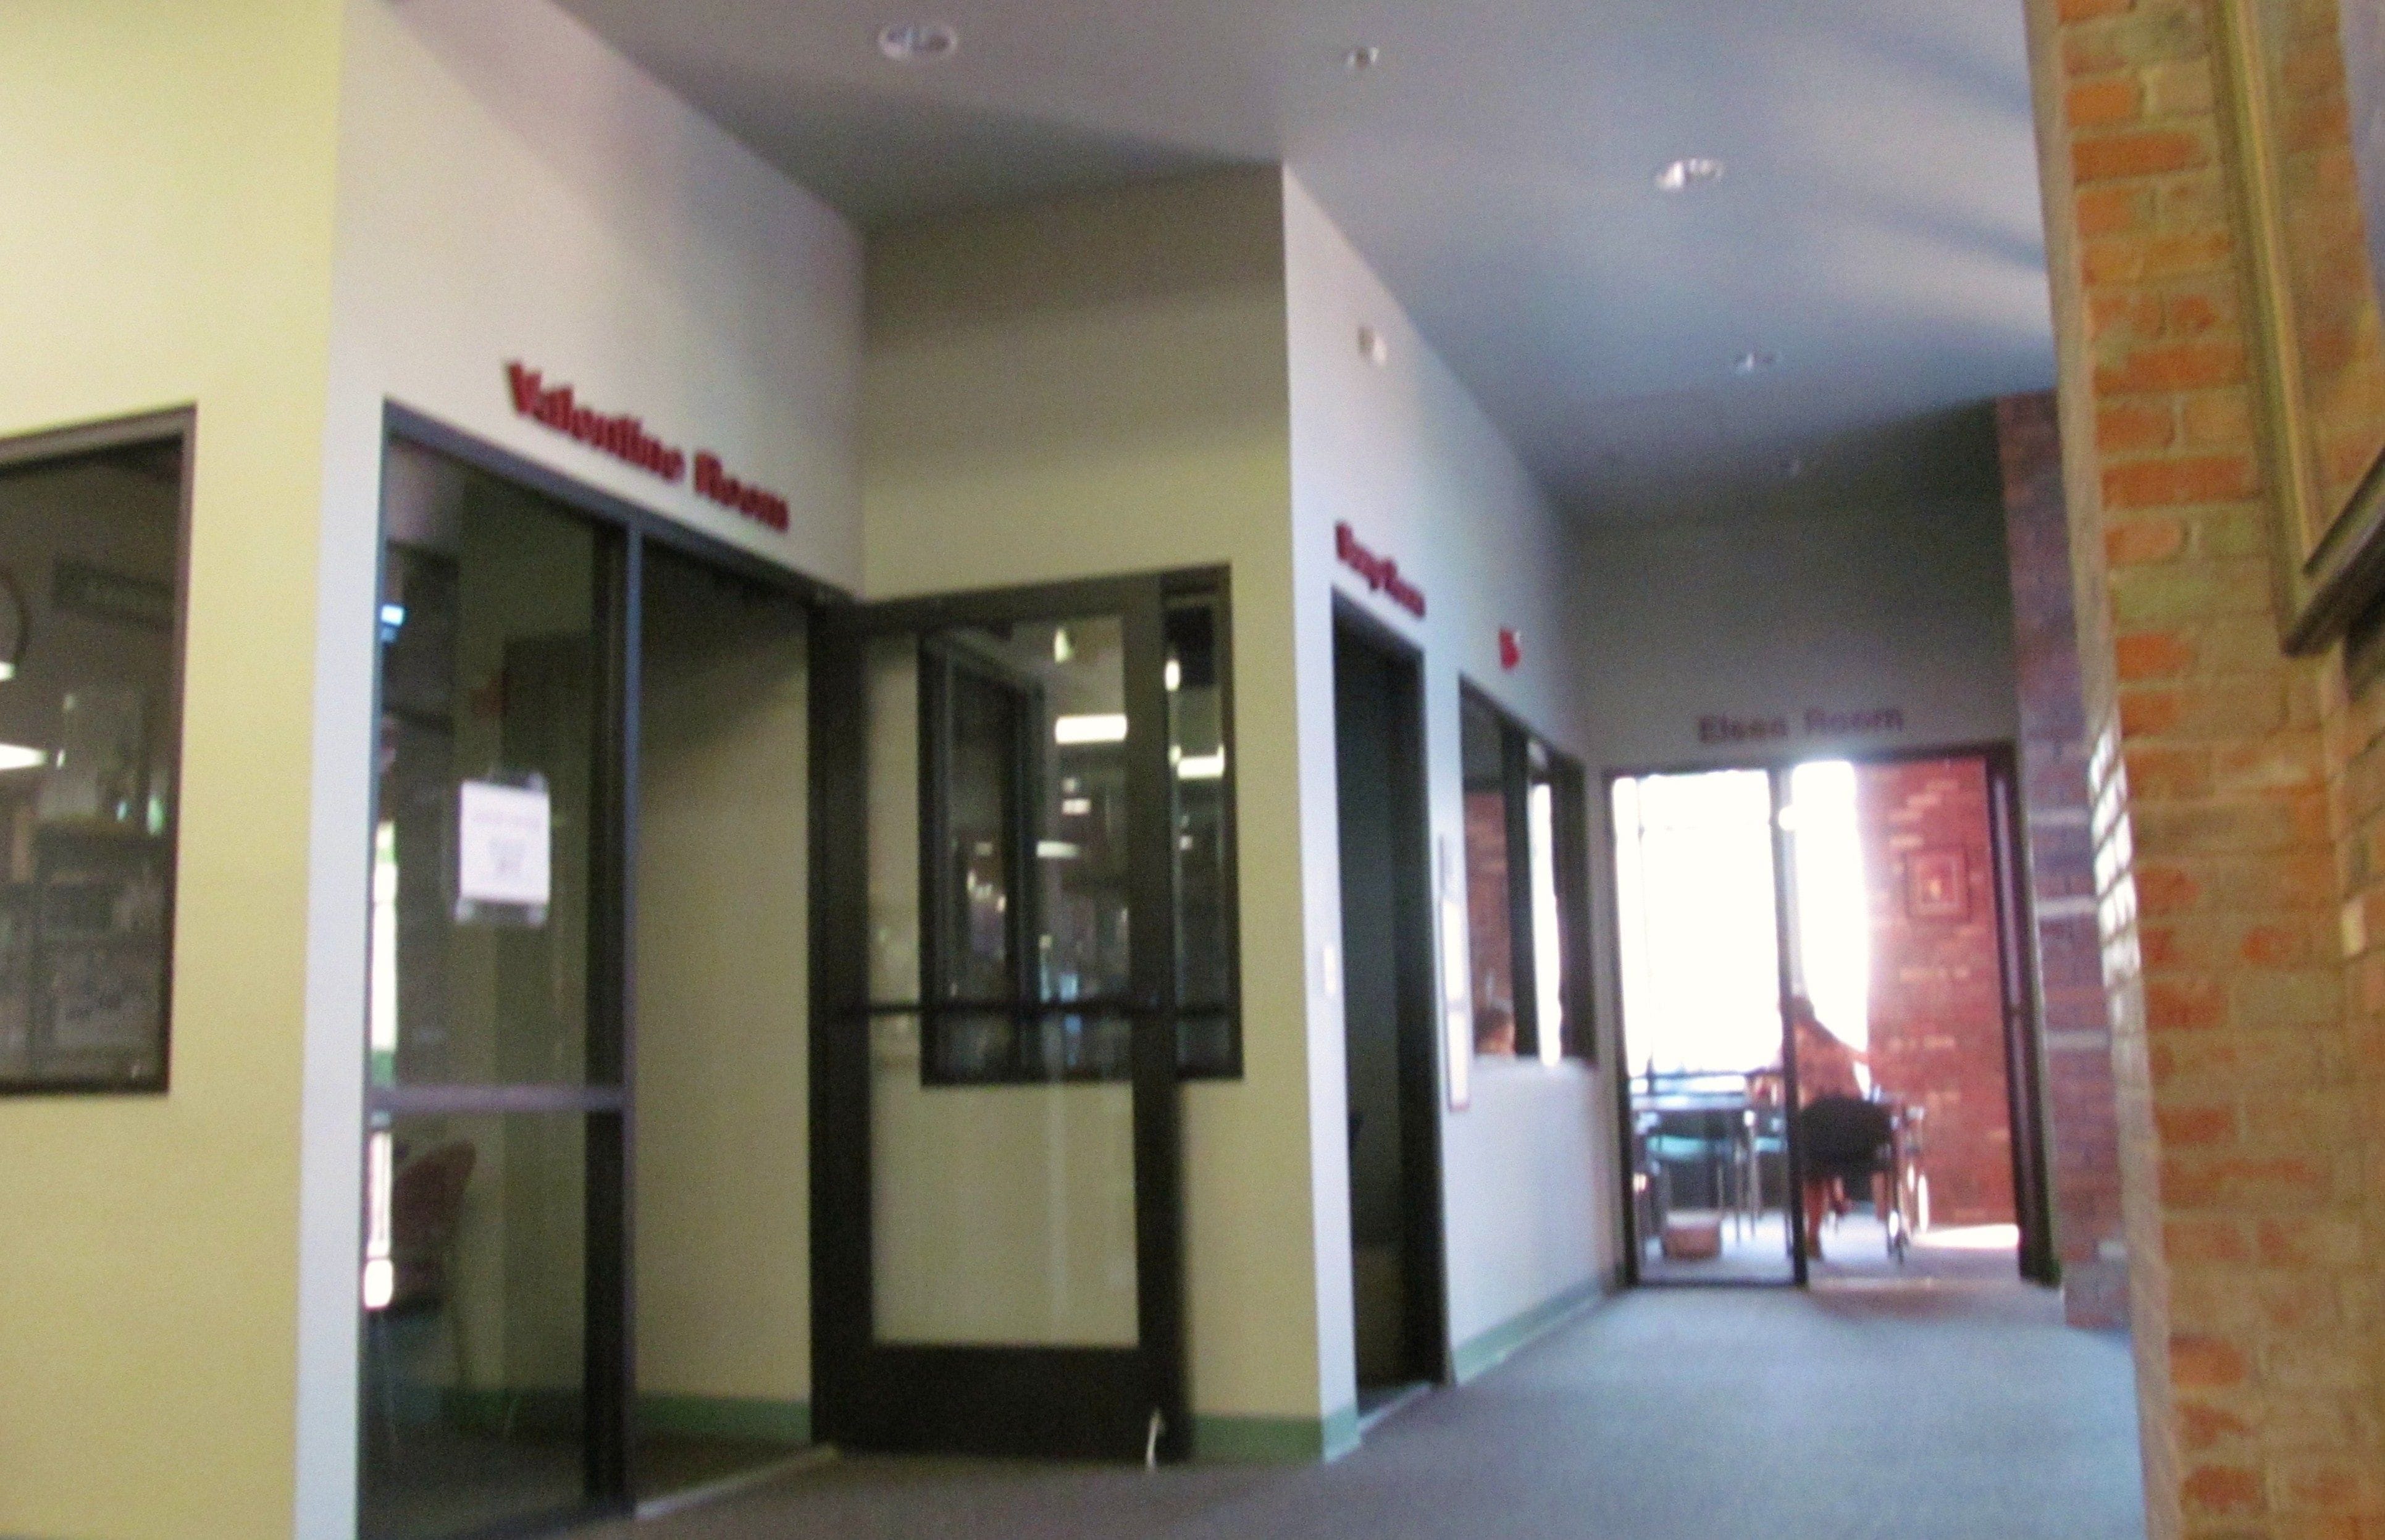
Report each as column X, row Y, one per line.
column 2304, row 82
column 1938, row 885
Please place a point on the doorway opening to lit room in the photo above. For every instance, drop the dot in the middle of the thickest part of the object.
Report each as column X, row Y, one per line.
column 1831, row 1056
column 585, row 1016
column 1390, row 1035
column 1025, row 814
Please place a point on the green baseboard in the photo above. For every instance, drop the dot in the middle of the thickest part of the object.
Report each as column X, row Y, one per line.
column 1274, row 1440
column 1491, row 1348
column 747, row 1418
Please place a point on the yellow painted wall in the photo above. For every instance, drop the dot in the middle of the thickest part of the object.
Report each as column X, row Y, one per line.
column 723, row 1102
column 165, row 240
column 1096, row 385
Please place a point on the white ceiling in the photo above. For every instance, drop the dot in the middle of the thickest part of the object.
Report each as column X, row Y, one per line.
column 1878, row 228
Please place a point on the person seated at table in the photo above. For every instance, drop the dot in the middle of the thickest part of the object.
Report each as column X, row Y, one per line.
column 1827, row 1071
column 1826, row 1065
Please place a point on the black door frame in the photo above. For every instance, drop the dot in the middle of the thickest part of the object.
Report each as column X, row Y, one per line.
column 1082, row 1402
column 2016, row 946
column 605, row 1099
column 1425, row 1258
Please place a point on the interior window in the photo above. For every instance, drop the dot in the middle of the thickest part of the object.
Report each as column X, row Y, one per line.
column 91, row 542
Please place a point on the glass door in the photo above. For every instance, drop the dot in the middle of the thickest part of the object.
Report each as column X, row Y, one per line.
column 1008, row 787
column 1708, row 1066
column 492, row 1372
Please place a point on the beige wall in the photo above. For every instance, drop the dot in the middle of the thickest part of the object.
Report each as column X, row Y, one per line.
column 510, row 187
column 1402, row 452
column 165, row 231
column 1092, row 386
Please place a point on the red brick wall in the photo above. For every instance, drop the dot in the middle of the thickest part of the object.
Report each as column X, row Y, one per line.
column 1937, row 1004
column 2234, row 802
column 2074, row 1025
column 1489, row 940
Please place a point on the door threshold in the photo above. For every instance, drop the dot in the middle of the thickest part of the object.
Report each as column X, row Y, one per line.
column 730, row 1486
column 1393, row 1402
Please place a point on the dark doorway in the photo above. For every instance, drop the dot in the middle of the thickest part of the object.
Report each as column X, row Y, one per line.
column 1388, row 1014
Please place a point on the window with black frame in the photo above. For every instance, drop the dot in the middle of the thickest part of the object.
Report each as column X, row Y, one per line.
column 1022, row 745
column 1526, row 889
column 91, row 559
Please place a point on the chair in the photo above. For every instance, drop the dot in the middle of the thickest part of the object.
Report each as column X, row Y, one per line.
column 1852, row 1140
column 426, row 1207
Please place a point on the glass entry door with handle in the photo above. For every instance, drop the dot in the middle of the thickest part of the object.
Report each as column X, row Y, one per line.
column 1016, row 793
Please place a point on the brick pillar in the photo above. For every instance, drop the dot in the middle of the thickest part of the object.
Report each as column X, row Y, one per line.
column 2253, row 1271
column 2075, row 1028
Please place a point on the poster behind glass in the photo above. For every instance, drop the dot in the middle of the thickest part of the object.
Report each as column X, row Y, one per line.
column 90, row 555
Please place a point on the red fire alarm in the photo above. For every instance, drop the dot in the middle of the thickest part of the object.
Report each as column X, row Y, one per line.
column 1511, row 647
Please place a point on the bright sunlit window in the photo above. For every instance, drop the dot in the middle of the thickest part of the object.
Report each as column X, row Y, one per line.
column 1548, row 935
column 1833, row 915
column 1700, row 954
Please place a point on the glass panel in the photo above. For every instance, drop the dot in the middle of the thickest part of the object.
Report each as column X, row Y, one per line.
column 1000, row 1214
column 890, row 684
column 1196, row 750
column 473, row 1351
column 89, row 551
column 1026, row 726
column 491, row 684
column 1489, row 901
column 1548, row 926
column 1900, row 1020
column 722, row 1170
column 1702, row 1031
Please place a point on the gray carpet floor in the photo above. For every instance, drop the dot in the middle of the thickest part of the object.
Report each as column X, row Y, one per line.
column 1922, row 1413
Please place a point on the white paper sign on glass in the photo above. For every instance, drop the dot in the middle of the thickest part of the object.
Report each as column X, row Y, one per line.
column 504, row 834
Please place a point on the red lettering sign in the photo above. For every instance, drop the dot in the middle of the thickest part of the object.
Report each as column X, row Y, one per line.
column 625, row 438
column 1381, row 573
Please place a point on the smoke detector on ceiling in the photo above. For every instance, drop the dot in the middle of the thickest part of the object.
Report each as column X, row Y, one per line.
column 1361, row 58
column 1754, row 360
column 1372, row 347
column 918, row 41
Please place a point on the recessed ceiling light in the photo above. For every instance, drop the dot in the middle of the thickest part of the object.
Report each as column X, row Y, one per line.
column 1690, row 171
column 1361, row 58
column 1754, row 360
column 918, row 41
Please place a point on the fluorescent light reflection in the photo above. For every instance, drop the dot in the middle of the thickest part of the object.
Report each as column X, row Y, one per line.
column 16, row 756
column 1094, row 727
column 1202, row 767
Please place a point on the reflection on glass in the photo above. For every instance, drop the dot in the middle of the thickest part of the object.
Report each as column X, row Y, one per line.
column 1196, row 755
column 488, row 747
column 1702, row 1030
column 473, row 1396
column 89, row 551
column 1548, row 935
column 890, row 717
column 1024, row 733
column 1000, row 1214
column 1489, row 898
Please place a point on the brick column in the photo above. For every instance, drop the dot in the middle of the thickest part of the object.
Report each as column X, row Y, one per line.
column 2082, row 1127
column 2254, row 1268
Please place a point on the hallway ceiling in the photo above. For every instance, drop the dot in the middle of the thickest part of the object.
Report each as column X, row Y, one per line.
column 1878, row 230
